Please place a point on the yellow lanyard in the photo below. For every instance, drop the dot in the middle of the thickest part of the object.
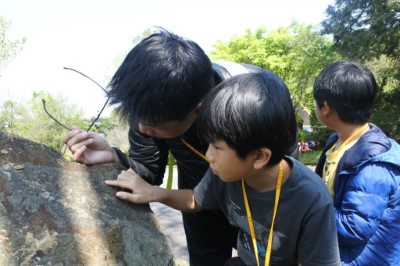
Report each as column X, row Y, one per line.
column 250, row 219
column 194, row 150
column 248, row 212
column 353, row 136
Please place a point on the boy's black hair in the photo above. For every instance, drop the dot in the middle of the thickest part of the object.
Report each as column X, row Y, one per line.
column 349, row 88
column 161, row 79
column 248, row 112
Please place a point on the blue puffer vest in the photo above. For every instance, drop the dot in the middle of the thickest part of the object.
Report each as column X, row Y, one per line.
column 367, row 200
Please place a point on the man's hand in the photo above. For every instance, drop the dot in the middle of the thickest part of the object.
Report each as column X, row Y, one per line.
column 141, row 191
column 89, row 147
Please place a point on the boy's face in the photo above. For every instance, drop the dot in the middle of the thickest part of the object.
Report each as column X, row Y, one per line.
column 225, row 163
column 317, row 111
column 166, row 130
column 321, row 113
column 169, row 129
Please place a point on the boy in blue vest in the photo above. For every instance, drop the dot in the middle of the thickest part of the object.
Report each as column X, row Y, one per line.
column 282, row 209
column 360, row 165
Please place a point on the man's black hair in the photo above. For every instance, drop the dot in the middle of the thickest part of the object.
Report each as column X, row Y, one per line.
column 161, row 79
column 248, row 112
column 349, row 88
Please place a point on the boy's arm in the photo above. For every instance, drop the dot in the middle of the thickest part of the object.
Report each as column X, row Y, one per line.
column 147, row 156
column 142, row 192
column 317, row 243
column 364, row 202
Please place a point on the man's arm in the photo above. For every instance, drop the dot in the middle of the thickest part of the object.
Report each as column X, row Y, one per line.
column 142, row 192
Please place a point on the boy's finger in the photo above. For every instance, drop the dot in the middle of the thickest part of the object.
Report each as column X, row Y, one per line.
column 78, row 153
column 132, row 197
column 118, row 183
column 70, row 135
column 125, row 196
column 112, row 182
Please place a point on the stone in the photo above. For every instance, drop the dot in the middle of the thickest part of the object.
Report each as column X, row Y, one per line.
column 55, row 212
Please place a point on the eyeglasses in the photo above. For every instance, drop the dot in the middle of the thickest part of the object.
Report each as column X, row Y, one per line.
column 98, row 115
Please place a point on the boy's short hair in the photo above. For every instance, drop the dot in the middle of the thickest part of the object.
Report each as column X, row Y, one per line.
column 347, row 87
column 248, row 112
column 161, row 79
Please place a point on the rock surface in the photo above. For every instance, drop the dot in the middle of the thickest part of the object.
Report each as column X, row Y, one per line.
column 53, row 212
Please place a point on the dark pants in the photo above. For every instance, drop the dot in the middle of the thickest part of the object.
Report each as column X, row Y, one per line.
column 210, row 238
column 236, row 261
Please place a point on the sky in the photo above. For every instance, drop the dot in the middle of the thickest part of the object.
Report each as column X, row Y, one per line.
column 93, row 36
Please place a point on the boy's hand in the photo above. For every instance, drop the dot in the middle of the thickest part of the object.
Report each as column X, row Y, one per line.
column 89, row 147
column 142, row 192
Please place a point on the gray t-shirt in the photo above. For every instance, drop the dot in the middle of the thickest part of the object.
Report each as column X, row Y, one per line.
column 304, row 230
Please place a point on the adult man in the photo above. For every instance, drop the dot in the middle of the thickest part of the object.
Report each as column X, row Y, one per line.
column 158, row 89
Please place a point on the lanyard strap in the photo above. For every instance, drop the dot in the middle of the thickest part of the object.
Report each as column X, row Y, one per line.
column 248, row 212
column 250, row 219
column 194, row 150
column 357, row 133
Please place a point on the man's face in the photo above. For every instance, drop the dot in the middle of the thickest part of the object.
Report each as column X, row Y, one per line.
column 168, row 129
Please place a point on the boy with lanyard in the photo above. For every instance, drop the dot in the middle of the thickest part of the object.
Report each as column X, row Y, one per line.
column 282, row 209
column 360, row 165
column 158, row 88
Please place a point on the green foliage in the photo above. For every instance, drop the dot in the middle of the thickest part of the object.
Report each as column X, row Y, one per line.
column 386, row 72
column 8, row 49
column 115, row 131
column 42, row 129
column 301, row 135
column 320, row 135
column 364, row 29
column 369, row 31
column 388, row 78
column 295, row 53
column 30, row 121
column 310, row 157
column 10, row 115
column 385, row 114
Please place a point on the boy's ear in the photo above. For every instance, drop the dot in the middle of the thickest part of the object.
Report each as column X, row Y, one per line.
column 262, row 158
column 325, row 109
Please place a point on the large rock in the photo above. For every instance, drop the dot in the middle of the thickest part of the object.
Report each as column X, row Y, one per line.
column 53, row 212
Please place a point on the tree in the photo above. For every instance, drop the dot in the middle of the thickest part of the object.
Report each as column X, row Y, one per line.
column 295, row 53
column 30, row 121
column 9, row 111
column 369, row 31
column 37, row 126
column 8, row 49
column 10, row 114
column 364, row 29
column 388, row 97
